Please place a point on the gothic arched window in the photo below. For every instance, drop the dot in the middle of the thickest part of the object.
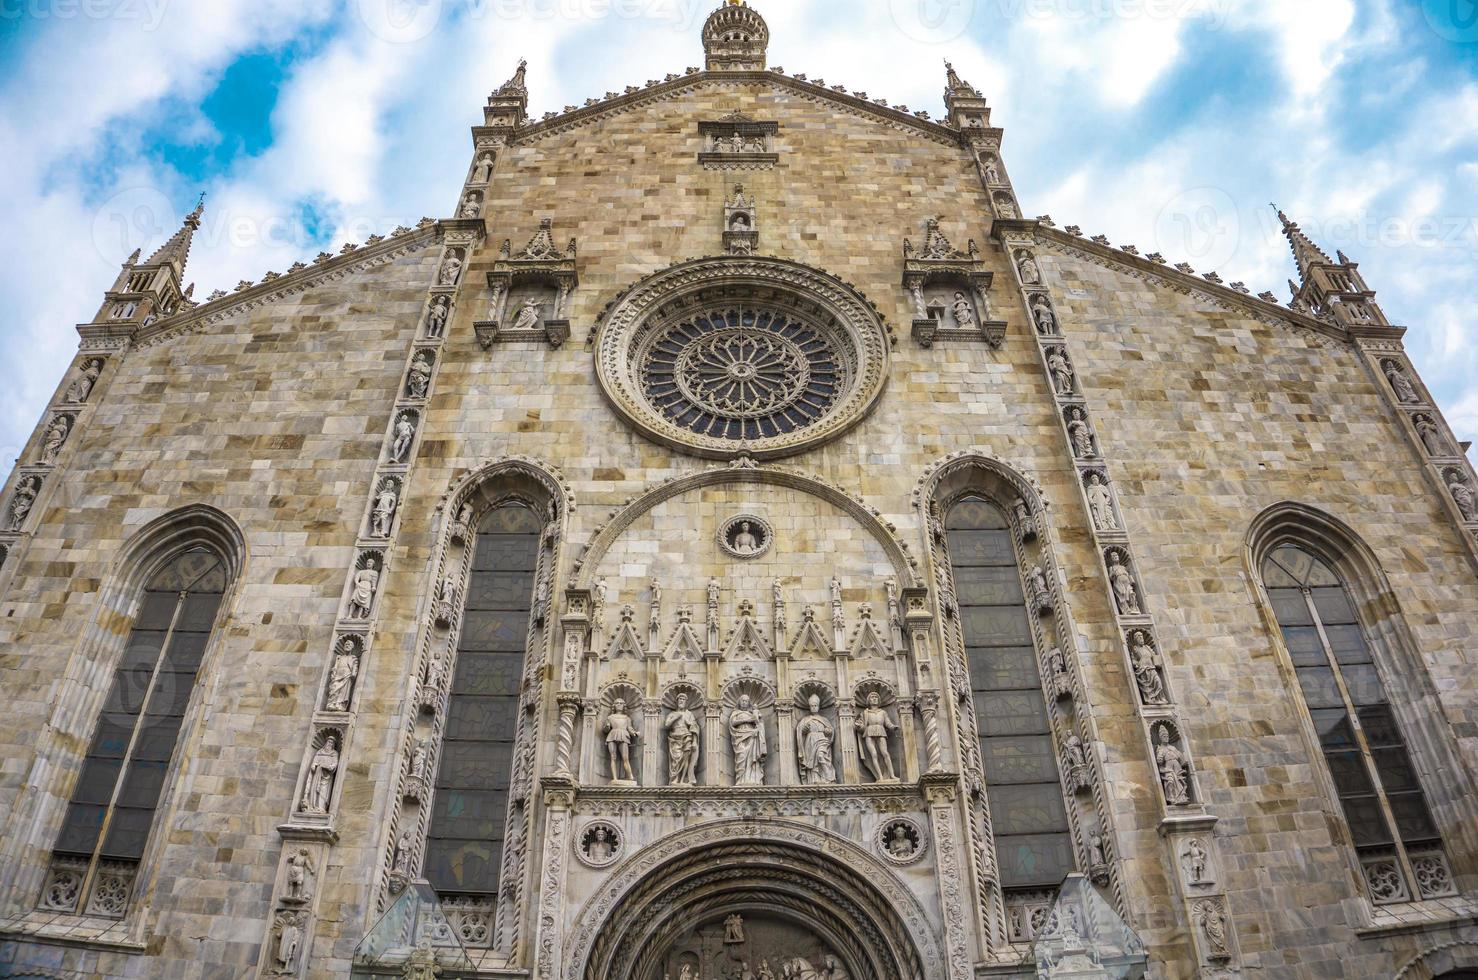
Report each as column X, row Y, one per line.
column 1390, row 823
column 464, row 844
column 111, row 811
column 1023, row 786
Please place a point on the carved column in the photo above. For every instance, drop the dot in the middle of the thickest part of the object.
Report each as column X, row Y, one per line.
column 847, row 739
column 713, row 743
column 941, row 792
column 564, row 744
column 559, row 802
column 590, row 743
column 908, row 730
column 651, row 734
column 785, row 720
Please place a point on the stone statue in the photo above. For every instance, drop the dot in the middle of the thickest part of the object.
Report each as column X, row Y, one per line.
column 1030, row 274
column 873, row 728
column 747, row 741
column 1046, row 319
column 599, row 849
column 341, row 678
column 81, row 387
column 964, row 312
column 483, row 172
column 451, row 270
column 713, row 600
column 1081, row 435
column 683, row 736
column 419, row 768
column 22, row 502
column 992, row 171
column 1074, row 753
column 405, row 434
column 1101, row 503
column 441, row 307
column 1147, row 664
column 1432, row 436
column 383, row 514
column 420, row 376
column 899, row 845
column 55, row 438
column 1213, row 921
column 1004, row 206
column 734, row 929
column 1096, row 854
column 1194, row 859
column 362, row 598
column 528, row 315
column 289, row 939
column 745, row 543
column 1462, row 495
column 620, row 733
column 1126, row 594
column 299, row 877
column 321, row 770
column 1401, row 384
column 400, row 862
column 1174, row 769
column 471, row 206
column 1062, row 372
column 814, row 736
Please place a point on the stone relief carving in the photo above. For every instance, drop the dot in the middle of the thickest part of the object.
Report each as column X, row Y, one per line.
column 1148, row 667
column 747, row 742
column 22, row 500
column 1121, row 580
column 1039, row 593
column 482, row 170
column 55, row 438
column 901, row 841
column 1005, row 208
column 288, row 930
column 745, row 536
column 1462, row 494
column 404, row 437
column 815, row 736
column 471, row 206
column 418, row 379
column 81, row 387
column 1174, row 766
column 342, row 675
column 1400, row 383
column 444, row 604
column 600, row 844
column 1079, row 774
column 300, row 877
column 741, row 223
column 318, row 790
column 366, row 583
column 1211, row 918
column 418, row 769
column 1195, row 861
column 1098, row 861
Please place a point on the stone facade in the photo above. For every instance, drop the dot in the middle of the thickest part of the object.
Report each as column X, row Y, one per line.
column 1147, row 433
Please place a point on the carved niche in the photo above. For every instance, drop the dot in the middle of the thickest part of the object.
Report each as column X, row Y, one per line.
column 530, row 291
column 737, row 142
column 949, row 290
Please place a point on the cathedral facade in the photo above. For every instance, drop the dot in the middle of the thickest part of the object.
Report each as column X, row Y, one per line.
column 739, row 544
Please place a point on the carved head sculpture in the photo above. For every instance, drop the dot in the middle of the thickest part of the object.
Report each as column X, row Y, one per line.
column 619, row 707
column 744, row 702
column 814, row 702
column 1162, row 732
column 874, row 700
column 682, row 702
column 1094, row 479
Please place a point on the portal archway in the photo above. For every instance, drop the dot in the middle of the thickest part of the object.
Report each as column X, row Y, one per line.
column 726, row 895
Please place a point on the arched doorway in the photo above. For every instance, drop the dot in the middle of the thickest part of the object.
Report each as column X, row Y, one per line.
column 728, row 904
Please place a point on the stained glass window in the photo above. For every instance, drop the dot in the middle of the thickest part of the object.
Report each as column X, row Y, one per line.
column 1023, row 787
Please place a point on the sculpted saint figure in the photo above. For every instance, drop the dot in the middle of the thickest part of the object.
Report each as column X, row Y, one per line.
column 451, row 270
column 964, row 312
column 1077, row 429
column 599, row 849
column 1101, row 503
column 1462, row 495
column 56, row 436
column 420, row 756
column 992, row 172
column 23, row 501
column 528, row 315
column 384, row 511
column 899, row 845
column 1062, row 372
column 321, row 772
column 1005, row 207
column 300, row 876
column 471, row 206
column 1401, row 384
column 289, row 938
column 1432, row 436
column 682, row 745
column 873, row 727
column 1174, row 769
column 436, row 318
column 1147, row 665
column 341, row 678
column 81, row 387
column 1042, row 313
column 620, row 733
column 1194, row 859
column 1125, row 592
column 1030, row 274
column 747, row 741
column 400, row 861
column 734, row 929
column 814, row 737
column 745, row 543
column 405, row 434
column 1214, row 928
column 362, row 599
column 484, row 170
column 420, row 376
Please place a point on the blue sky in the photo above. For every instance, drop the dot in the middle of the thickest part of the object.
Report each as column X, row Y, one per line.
column 1169, row 124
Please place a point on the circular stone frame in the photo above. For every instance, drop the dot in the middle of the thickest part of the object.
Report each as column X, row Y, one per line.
column 613, row 833
column 880, row 841
column 766, row 536
column 704, row 284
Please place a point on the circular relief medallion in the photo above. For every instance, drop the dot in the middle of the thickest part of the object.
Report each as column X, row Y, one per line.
column 600, row 844
column 742, row 357
column 745, row 536
column 901, row 840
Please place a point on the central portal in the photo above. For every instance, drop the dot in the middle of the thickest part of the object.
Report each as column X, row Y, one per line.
column 753, row 946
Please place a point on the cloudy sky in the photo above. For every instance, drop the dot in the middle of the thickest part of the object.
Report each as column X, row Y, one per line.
column 1170, row 124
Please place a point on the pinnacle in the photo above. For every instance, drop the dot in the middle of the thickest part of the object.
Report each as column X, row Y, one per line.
column 176, row 251
column 1305, row 252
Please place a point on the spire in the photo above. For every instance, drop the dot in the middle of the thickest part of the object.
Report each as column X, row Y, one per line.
column 517, row 84
column 176, row 251
column 966, row 107
column 1305, row 252
column 735, row 38
column 956, row 87
column 508, row 107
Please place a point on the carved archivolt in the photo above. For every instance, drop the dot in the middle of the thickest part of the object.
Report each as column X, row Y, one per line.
column 798, row 356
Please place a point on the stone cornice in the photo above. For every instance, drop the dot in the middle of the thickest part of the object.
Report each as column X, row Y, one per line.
column 681, row 84
column 359, row 259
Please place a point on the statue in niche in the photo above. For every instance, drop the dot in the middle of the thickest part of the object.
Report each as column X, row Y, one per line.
column 1056, row 661
column 1004, row 207
column 471, row 206
column 992, row 171
column 55, row 438
column 620, row 733
column 1462, row 495
column 451, row 269
column 81, row 386
column 1213, row 920
column 483, row 172
column 528, row 315
column 299, row 877
column 1432, row 436
column 964, row 312
column 400, row 861
column 600, row 849
column 1097, row 856
column 747, row 741
column 1027, row 266
column 873, row 728
column 1061, row 371
column 745, row 543
column 734, row 929
column 321, row 770
column 383, row 514
column 899, row 844
column 1101, row 504
column 23, row 501
column 366, row 581
column 1081, row 435
column 683, row 736
column 1194, row 859
column 1046, row 319
column 1147, row 665
column 405, row 434
column 1174, row 768
column 814, row 738
column 1074, row 752
column 1401, row 384
column 1126, row 593
column 420, row 376
column 441, row 307
column 341, row 677
column 289, row 940
column 419, row 767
